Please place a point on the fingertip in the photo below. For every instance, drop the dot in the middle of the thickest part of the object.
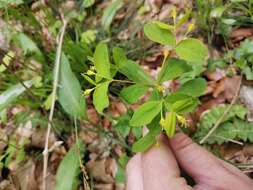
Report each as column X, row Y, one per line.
column 134, row 173
column 194, row 159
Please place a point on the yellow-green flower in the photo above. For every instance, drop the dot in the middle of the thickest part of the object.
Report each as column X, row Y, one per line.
column 88, row 91
column 182, row 120
column 90, row 72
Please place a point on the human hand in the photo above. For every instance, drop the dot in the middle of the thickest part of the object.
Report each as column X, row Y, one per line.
column 158, row 169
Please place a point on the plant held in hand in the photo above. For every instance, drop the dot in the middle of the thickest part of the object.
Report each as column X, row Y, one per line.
column 165, row 107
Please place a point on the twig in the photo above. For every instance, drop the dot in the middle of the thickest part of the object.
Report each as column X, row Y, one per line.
column 55, row 84
column 223, row 115
column 85, row 176
column 230, row 140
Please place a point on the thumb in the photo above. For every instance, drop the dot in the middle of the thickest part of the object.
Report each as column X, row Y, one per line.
column 207, row 170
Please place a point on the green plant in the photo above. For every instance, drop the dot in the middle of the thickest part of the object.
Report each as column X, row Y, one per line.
column 243, row 58
column 218, row 17
column 239, row 58
column 165, row 107
column 232, row 128
column 69, row 169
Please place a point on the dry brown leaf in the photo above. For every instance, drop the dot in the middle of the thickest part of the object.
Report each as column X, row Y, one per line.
column 4, row 140
column 210, row 87
column 120, row 186
column 208, row 104
column 241, row 32
column 248, row 150
column 219, row 88
column 7, row 185
column 24, row 176
column 246, row 96
column 101, row 146
column 231, row 87
column 216, row 75
column 93, row 116
column 98, row 171
column 100, row 186
column 37, row 138
column 88, row 136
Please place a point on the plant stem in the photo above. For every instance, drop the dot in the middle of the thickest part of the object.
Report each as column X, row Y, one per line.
column 85, row 176
column 223, row 115
column 55, row 84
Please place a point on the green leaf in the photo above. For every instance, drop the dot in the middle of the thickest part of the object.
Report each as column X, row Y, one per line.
column 170, row 124
column 228, row 21
column 157, row 33
column 102, row 61
column 146, row 113
column 109, row 13
column 67, row 173
column 87, row 3
column 184, row 18
column 217, row 12
column 120, row 175
column 174, row 97
column 172, row 69
column 70, row 93
column 180, row 103
column 100, row 97
column 210, row 117
column 244, row 130
column 155, row 95
column 192, row 50
column 185, row 106
column 163, row 25
column 236, row 129
column 28, row 46
column 135, row 73
column 48, row 102
column 6, row 60
column 132, row 93
column 88, row 37
column 10, row 95
column 194, row 88
column 196, row 71
column 123, row 160
column 122, row 126
column 119, row 57
column 148, row 140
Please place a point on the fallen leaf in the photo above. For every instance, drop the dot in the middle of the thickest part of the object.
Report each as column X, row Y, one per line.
column 231, row 85
column 7, row 185
column 104, row 186
column 246, row 96
column 220, row 87
column 245, row 32
column 24, row 176
column 99, row 172
column 216, row 75
column 248, row 150
column 208, row 104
